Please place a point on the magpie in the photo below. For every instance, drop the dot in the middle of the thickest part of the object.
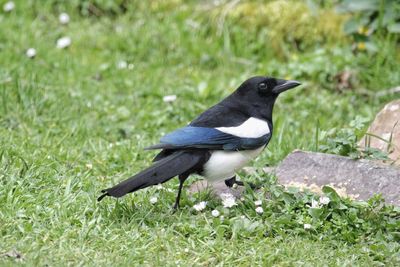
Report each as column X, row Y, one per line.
column 222, row 140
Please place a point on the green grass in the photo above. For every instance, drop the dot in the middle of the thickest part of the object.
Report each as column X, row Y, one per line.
column 72, row 123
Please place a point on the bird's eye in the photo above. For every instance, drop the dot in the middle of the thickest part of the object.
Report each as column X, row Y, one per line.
column 262, row 87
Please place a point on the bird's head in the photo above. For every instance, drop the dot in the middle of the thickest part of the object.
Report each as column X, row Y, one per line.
column 265, row 87
column 259, row 93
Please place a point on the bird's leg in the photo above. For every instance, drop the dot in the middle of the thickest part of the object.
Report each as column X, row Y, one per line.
column 182, row 179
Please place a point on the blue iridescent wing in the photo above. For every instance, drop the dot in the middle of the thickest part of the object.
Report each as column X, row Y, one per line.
column 210, row 138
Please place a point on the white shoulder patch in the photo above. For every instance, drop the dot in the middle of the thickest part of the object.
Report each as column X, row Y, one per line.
column 251, row 128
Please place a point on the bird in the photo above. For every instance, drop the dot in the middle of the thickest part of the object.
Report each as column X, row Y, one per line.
column 217, row 143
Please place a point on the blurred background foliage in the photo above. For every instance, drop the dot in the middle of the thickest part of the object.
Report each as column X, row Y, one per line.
column 333, row 42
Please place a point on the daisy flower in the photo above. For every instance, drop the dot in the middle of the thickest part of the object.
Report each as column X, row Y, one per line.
column 200, row 206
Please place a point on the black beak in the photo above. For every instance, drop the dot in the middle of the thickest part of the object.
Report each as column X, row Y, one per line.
column 284, row 85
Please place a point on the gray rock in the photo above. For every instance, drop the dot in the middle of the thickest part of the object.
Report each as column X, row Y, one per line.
column 386, row 126
column 358, row 179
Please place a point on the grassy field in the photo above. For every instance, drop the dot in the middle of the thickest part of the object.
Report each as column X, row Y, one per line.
column 74, row 121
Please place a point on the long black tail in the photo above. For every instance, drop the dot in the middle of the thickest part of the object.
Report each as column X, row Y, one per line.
column 160, row 172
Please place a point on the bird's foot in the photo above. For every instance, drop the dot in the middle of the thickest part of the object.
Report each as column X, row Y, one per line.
column 232, row 182
column 176, row 207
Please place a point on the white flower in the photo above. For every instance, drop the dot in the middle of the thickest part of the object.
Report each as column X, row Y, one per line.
column 324, row 200
column 258, row 202
column 104, row 66
column 31, row 52
column 63, row 18
column 202, row 87
column 9, row 6
column 228, row 200
column 159, row 187
column 89, row 166
column 153, row 200
column 186, row 250
column 314, row 204
column 259, row 210
column 200, row 206
column 122, row 64
column 215, row 213
column 169, row 98
column 63, row 42
column 307, row 226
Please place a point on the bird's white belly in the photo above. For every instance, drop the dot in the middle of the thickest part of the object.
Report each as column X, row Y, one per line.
column 222, row 165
